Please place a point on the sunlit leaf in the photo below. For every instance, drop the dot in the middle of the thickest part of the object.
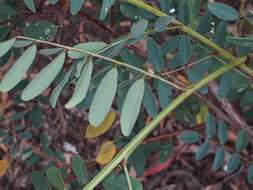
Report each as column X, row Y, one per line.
column 131, row 107
column 103, row 98
column 18, row 70
column 44, row 78
column 6, row 46
column 82, row 86
column 223, row 11
column 106, row 152
column 139, row 27
column 92, row 47
column 4, row 165
column 92, row 132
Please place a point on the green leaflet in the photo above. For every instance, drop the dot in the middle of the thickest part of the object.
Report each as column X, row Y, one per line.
column 185, row 49
column 22, row 43
column 184, row 12
column 119, row 183
column 164, row 94
column 92, row 47
column 241, row 141
column 250, row 174
column 225, row 85
column 234, row 163
column 103, row 98
column 218, row 159
column 189, row 137
column 58, row 89
column 139, row 27
column 149, row 101
column 54, row 177
column 130, row 11
column 223, row 11
column 247, row 99
column 79, row 168
column 220, row 33
column 18, row 70
column 50, row 51
column 210, row 126
column 154, row 55
column 75, row 6
column 6, row 46
column 82, row 86
column 194, row 8
column 44, row 78
column 162, row 22
column 107, row 4
column 30, row 5
column 239, row 41
column 170, row 45
column 202, row 151
column 222, row 132
column 204, row 25
column 39, row 181
column 131, row 106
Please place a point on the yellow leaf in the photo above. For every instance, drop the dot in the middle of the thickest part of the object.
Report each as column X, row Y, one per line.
column 201, row 116
column 4, row 165
column 92, row 132
column 106, row 153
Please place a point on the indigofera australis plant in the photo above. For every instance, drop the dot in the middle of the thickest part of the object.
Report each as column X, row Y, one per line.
column 203, row 50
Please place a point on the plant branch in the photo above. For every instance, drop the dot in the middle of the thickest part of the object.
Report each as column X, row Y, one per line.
column 136, row 141
column 192, row 33
column 104, row 58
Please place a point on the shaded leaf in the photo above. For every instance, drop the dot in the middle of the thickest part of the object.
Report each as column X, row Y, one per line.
column 202, row 151
column 39, row 181
column 210, row 126
column 107, row 4
column 223, row 11
column 185, row 49
column 218, row 159
column 189, row 137
column 149, row 101
column 92, row 132
column 202, row 115
column 75, row 6
column 220, row 33
column 54, row 177
column 184, row 12
column 154, row 55
column 30, row 5
column 82, row 86
column 139, row 27
column 103, row 98
column 6, row 46
column 170, row 45
column 164, row 94
column 106, row 152
column 225, row 85
column 250, row 174
column 242, row 141
column 222, row 132
column 79, row 168
column 233, row 163
column 18, row 70
column 240, row 41
column 131, row 106
column 44, row 78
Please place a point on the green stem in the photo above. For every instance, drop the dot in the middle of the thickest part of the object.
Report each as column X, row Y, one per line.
column 193, row 33
column 136, row 141
column 129, row 184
